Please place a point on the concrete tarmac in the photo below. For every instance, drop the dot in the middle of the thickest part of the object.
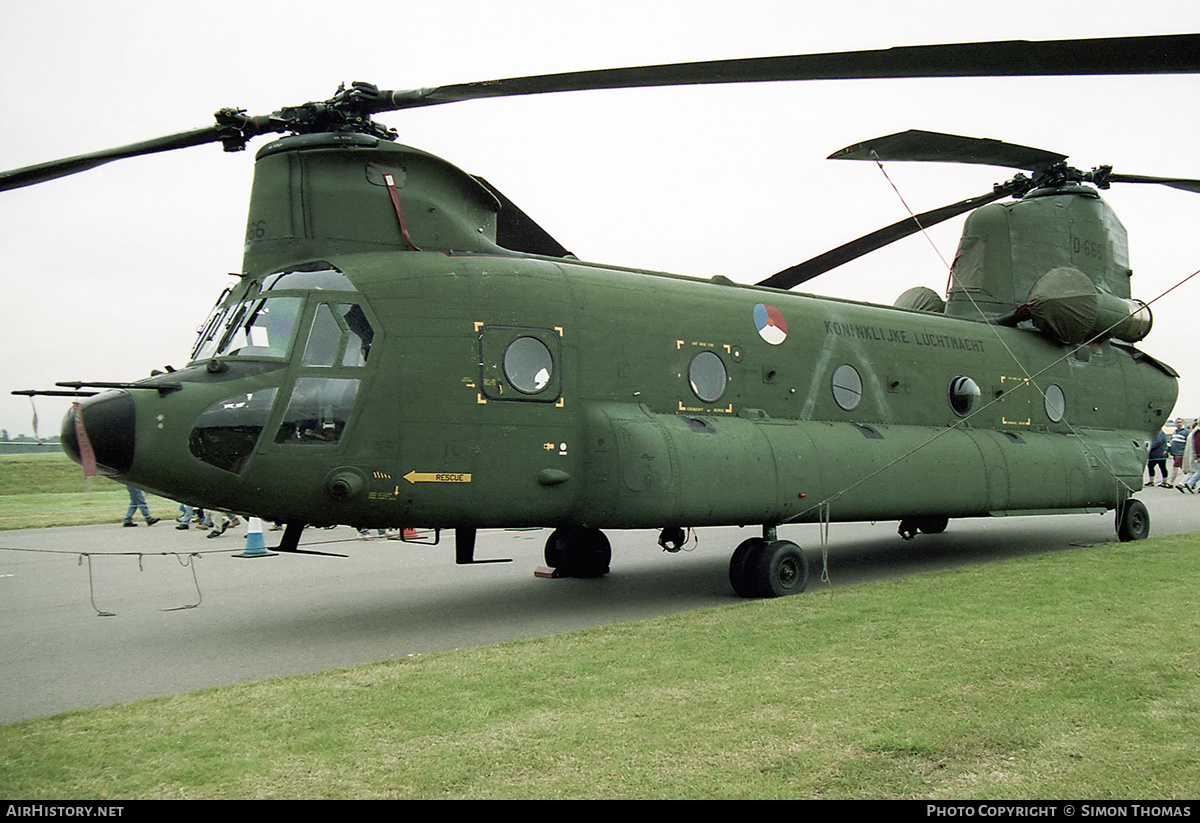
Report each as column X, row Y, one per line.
column 184, row 614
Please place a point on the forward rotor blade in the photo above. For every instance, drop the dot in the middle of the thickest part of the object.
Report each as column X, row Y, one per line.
column 1182, row 183
column 42, row 172
column 1157, row 54
column 935, row 147
column 801, row 272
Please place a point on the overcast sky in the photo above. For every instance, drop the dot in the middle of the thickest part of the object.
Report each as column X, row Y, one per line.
column 109, row 272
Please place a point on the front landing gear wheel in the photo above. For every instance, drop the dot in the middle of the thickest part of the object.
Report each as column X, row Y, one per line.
column 762, row 569
column 578, row 552
column 1133, row 521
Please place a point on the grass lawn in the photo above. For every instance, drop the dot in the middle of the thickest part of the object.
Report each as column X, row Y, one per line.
column 1066, row 675
column 38, row 490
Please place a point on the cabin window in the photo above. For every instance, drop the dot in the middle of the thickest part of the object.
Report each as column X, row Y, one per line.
column 520, row 363
column 1056, row 403
column 708, row 376
column 528, row 365
column 964, row 394
column 847, row 387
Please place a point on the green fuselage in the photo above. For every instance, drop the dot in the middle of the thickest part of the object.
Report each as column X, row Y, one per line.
column 384, row 362
column 643, row 400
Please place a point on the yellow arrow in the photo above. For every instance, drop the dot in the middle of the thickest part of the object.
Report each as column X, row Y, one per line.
column 437, row 477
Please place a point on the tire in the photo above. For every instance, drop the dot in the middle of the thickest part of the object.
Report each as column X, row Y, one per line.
column 578, row 552
column 743, row 559
column 762, row 569
column 1133, row 521
column 932, row 525
column 782, row 569
column 554, row 552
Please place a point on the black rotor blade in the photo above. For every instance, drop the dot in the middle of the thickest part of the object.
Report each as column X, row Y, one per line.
column 1182, row 183
column 1157, row 54
column 516, row 230
column 801, row 272
column 42, row 172
column 935, row 147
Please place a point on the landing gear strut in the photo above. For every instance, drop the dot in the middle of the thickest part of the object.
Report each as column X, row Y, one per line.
column 578, row 552
column 766, row 567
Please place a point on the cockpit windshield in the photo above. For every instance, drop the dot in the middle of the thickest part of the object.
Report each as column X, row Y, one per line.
column 262, row 324
column 261, row 327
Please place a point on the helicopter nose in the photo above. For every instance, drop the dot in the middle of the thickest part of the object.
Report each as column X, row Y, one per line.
column 107, row 428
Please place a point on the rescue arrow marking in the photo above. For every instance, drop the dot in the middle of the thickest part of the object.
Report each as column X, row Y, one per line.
column 437, row 477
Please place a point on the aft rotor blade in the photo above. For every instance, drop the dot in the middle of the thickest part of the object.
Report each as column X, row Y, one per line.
column 516, row 230
column 801, row 272
column 42, row 172
column 935, row 147
column 1156, row 54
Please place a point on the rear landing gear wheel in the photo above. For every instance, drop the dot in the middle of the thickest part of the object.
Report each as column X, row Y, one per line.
column 762, row 569
column 928, row 524
column 578, row 552
column 743, row 556
column 1133, row 521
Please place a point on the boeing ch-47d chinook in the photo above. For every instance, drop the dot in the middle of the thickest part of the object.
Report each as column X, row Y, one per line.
column 405, row 347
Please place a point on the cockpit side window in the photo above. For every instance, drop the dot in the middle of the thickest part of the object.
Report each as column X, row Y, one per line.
column 318, row 410
column 209, row 334
column 361, row 335
column 340, row 335
column 338, row 343
column 226, row 432
column 324, row 338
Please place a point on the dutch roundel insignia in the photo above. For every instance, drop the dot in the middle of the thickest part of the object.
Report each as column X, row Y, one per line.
column 771, row 325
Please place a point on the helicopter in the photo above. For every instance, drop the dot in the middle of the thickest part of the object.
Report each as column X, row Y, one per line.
column 405, row 347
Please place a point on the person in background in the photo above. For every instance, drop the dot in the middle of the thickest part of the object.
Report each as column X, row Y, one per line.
column 228, row 522
column 1176, row 446
column 203, row 521
column 1191, row 466
column 1158, row 458
column 137, row 502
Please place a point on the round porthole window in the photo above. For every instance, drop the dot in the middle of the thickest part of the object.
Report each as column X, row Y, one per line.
column 528, row 365
column 847, row 387
column 708, row 376
column 1056, row 403
column 964, row 393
